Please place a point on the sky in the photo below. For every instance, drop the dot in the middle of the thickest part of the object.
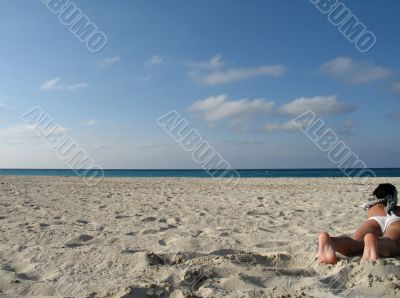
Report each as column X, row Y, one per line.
column 238, row 71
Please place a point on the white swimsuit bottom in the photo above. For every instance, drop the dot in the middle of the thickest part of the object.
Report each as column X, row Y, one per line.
column 385, row 221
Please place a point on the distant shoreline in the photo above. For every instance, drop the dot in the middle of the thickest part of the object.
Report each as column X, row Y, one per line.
column 198, row 173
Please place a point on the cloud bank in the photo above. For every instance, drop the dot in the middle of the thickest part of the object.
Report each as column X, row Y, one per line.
column 213, row 72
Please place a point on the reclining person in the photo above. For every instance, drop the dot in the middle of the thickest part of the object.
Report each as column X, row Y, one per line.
column 378, row 236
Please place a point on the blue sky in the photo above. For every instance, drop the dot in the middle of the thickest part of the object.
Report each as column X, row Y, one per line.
column 237, row 70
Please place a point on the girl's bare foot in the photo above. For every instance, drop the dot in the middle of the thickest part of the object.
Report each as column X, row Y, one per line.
column 370, row 248
column 326, row 252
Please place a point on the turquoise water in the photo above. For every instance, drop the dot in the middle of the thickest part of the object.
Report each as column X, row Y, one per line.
column 380, row 172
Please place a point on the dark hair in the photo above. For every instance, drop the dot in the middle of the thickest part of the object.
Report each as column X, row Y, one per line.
column 383, row 190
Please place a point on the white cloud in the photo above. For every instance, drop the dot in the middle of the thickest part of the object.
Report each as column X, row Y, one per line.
column 17, row 131
column 155, row 60
column 209, row 103
column 286, row 126
column 242, row 114
column 91, row 122
column 51, row 84
column 321, row 105
column 231, row 75
column 109, row 61
column 345, row 127
column 218, row 108
column 77, row 86
column 212, row 64
column 352, row 72
column 24, row 132
column 57, row 84
column 210, row 72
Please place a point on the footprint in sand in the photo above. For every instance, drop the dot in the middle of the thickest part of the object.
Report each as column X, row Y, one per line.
column 162, row 242
column 141, row 290
column 21, row 272
column 149, row 219
column 168, row 227
column 28, row 276
column 153, row 259
column 195, row 276
column 78, row 241
column 85, row 222
column 149, row 231
column 272, row 244
column 129, row 251
column 121, row 216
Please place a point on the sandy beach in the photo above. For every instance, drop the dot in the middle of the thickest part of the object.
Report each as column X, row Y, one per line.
column 184, row 237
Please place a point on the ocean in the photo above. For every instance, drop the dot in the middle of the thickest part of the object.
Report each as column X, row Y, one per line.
column 244, row 173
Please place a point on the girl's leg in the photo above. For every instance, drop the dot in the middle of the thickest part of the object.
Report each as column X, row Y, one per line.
column 386, row 246
column 370, row 253
column 345, row 245
column 389, row 244
column 368, row 226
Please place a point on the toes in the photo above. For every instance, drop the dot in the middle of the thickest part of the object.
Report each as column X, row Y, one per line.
column 323, row 237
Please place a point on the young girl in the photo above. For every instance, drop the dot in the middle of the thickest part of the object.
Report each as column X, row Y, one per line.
column 377, row 236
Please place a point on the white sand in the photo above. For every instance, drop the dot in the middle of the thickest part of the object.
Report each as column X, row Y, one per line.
column 183, row 238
